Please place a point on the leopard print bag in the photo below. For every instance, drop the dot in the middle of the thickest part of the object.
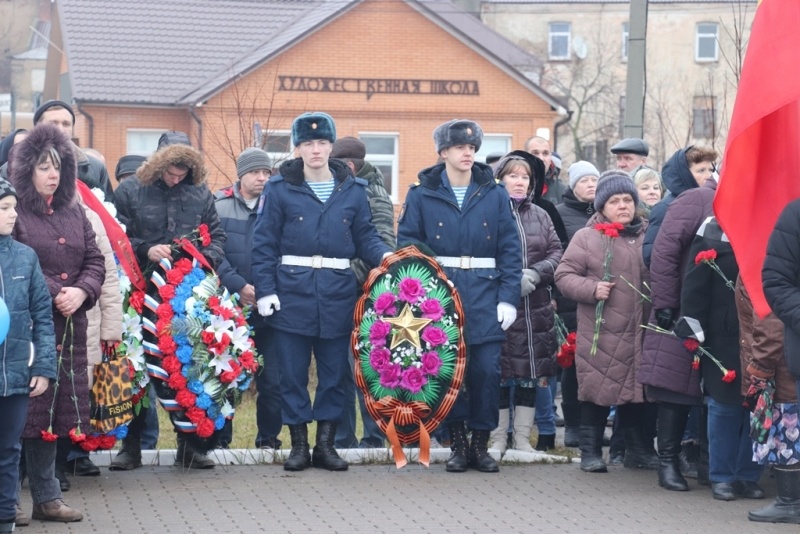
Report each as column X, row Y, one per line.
column 112, row 392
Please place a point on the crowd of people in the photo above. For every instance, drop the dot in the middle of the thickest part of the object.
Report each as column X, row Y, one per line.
column 619, row 285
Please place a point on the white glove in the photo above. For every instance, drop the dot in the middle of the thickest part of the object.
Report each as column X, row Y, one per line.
column 506, row 315
column 267, row 305
column 534, row 274
column 386, row 255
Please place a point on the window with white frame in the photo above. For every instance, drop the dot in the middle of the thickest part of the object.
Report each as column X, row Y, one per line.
column 382, row 153
column 625, row 36
column 707, row 42
column 493, row 143
column 559, row 42
column 142, row 142
column 279, row 146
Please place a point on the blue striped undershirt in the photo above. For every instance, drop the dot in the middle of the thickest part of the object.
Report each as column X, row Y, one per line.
column 460, row 193
column 323, row 190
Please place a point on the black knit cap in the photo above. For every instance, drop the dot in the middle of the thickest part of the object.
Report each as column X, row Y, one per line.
column 128, row 165
column 6, row 189
column 37, row 115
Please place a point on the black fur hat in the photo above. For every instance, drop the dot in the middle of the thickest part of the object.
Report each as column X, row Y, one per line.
column 314, row 125
column 23, row 164
column 457, row 132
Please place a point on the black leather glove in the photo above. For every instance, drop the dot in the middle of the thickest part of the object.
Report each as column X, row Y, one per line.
column 666, row 318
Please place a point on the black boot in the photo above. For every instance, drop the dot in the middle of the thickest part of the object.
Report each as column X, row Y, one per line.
column 300, row 456
column 546, row 442
column 457, row 463
column 325, row 454
column 186, row 456
column 639, row 453
column 130, row 455
column 688, row 458
column 591, row 445
column 786, row 507
column 671, row 424
column 572, row 421
column 479, row 457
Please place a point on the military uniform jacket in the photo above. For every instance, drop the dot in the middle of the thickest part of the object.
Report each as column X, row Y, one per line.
column 483, row 228
column 293, row 221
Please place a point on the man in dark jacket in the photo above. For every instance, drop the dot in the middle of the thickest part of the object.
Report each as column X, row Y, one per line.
column 463, row 215
column 553, row 188
column 236, row 206
column 169, row 198
column 631, row 153
column 353, row 152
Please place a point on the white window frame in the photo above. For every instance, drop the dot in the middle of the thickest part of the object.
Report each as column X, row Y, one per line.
column 157, row 133
column 384, row 159
column 626, row 33
column 556, row 34
column 703, row 36
column 482, row 153
column 279, row 157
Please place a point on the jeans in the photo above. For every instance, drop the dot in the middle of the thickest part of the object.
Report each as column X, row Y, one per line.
column 150, row 429
column 13, row 413
column 729, row 446
column 40, row 462
column 545, row 416
column 268, row 384
column 346, row 429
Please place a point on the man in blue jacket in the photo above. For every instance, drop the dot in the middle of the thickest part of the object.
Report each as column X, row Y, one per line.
column 459, row 211
column 236, row 206
column 313, row 218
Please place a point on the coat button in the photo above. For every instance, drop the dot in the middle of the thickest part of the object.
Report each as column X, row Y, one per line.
column 59, row 347
column 488, row 237
column 441, row 224
column 64, row 276
column 485, row 223
column 61, row 240
column 300, row 219
column 437, row 237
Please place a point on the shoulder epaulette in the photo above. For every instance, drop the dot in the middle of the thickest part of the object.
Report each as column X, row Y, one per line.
column 276, row 178
column 362, row 182
column 415, row 184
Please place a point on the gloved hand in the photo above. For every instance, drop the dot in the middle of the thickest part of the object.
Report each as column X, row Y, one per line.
column 267, row 305
column 666, row 318
column 528, row 285
column 534, row 274
column 506, row 315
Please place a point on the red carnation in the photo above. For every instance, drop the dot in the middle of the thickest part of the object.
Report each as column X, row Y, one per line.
column 184, row 265
column 185, row 398
column 106, row 441
column 164, row 311
column 610, row 230
column 166, row 291
column 240, row 320
column 171, row 364
column 572, row 338
column 136, row 301
column 225, row 313
column 163, row 326
column 49, row 436
column 167, row 345
column 205, row 237
column 213, row 301
column 76, row 435
column 177, row 381
column 729, row 376
column 691, row 344
column 195, row 414
column 247, row 361
column 207, row 337
column 90, row 444
column 205, row 428
column 229, row 376
column 696, row 363
column 705, row 256
column 174, row 277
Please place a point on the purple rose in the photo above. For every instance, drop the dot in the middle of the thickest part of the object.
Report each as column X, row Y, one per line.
column 378, row 332
column 431, row 309
column 431, row 363
column 391, row 376
column 410, row 290
column 379, row 358
column 435, row 336
column 384, row 304
column 413, row 380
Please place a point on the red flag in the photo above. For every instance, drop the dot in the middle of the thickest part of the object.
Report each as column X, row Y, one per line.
column 761, row 166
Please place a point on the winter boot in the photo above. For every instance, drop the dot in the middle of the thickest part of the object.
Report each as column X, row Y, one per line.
column 56, row 510
column 457, row 463
column 186, row 456
column 591, row 445
column 21, row 519
column 639, row 454
column 572, row 420
column 324, row 454
column 129, row 457
column 523, row 423
column 300, row 456
column 786, row 507
column 671, row 424
column 546, row 442
column 688, row 458
column 498, row 435
column 479, row 457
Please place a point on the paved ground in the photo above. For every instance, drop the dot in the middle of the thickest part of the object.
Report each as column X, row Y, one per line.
column 379, row 498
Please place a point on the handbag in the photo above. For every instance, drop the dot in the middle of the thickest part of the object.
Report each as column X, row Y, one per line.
column 112, row 392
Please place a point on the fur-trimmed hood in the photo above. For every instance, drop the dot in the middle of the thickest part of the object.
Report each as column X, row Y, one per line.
column 152, row 169
column 23, row 164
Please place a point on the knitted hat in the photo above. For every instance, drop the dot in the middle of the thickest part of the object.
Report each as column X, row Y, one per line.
column 314, row 125
column 349, row 148
column 458, row 132
column 128, row 165
column 252, row 159
column 578, row 170
column 614, row 183
column 6, row 189
column 37, row 115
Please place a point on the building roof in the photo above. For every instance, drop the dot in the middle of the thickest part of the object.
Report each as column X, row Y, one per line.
column 617, row 1
column 182, row 52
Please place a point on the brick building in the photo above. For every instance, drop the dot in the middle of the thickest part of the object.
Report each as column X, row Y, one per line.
column 235, row 73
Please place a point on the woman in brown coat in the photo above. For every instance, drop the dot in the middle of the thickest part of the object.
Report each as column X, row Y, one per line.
column 608, row 377
column 44, row 170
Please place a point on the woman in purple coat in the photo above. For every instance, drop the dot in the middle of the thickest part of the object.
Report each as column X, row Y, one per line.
column 44, row 170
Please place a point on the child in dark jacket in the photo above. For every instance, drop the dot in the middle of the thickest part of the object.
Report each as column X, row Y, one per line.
column 27, row 352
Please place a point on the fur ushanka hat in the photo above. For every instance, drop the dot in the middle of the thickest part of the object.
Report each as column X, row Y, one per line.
column 314, row 125
column 458, row 132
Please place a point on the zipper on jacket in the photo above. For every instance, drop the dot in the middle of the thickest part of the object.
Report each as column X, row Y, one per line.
column 526, row 299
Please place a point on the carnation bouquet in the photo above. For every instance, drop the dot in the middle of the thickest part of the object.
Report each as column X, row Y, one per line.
column 409, row 347
column 609, row 231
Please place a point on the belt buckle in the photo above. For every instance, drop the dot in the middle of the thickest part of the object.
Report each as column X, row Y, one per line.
column 466, row 262
column 316, row 262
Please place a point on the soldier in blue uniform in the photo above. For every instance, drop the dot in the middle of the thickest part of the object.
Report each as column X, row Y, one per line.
column 313, row 218
column 458, row 210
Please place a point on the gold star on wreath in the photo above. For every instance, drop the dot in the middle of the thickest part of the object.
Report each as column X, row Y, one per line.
column 406, row 327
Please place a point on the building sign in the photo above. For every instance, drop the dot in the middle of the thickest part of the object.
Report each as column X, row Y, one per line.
column 373, row 86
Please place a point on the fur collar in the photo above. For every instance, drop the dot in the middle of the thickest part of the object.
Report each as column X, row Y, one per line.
column 292, row 170
column 23, row 165
column 152, row 169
